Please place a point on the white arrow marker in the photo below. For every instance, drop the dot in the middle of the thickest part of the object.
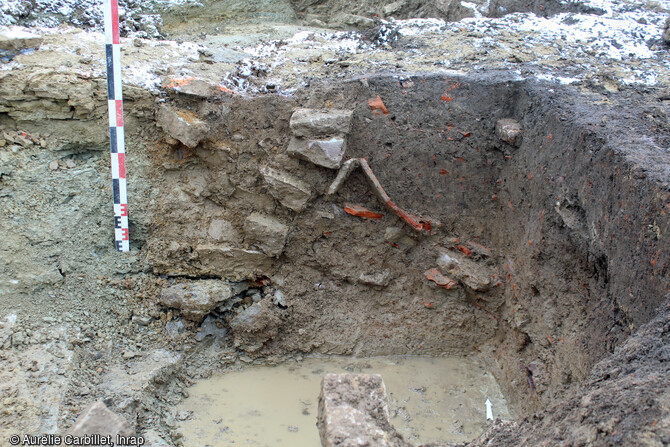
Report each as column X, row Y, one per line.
column 489, row 410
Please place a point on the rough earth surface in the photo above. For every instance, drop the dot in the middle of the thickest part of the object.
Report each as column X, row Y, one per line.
column 531, row 137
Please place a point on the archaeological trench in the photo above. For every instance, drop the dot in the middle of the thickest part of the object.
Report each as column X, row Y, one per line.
column 433, row 214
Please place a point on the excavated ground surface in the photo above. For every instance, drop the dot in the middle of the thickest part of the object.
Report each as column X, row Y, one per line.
column 570, row 228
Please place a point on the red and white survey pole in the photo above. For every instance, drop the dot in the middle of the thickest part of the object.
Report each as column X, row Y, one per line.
column 116, row 134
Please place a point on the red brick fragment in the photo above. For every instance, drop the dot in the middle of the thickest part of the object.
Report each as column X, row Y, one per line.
column 438, row 278
column 465, row 250
column 378, row 104
column 359, row 211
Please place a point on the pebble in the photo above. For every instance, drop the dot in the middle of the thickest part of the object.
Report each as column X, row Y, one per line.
column 129, row 354
column 53, row 165
column 18, row 338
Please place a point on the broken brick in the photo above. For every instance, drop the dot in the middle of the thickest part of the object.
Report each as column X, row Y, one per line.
column 359, row 211
column 465, row 250
column 438, row 278
column 378, row 104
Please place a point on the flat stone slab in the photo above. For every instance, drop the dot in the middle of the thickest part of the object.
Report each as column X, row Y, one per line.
column 182, row 125
column 232, row 263
column 327, row 153
column 14, row 39
column 353, row 412
column 97, row 419
column 288, row 190
column 144, row 370
column 315, row 123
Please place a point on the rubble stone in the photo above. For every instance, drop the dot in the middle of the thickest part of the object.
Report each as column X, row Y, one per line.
column 232, row 263
column 509, row 130
column 666, row 31
column 315, row 124
column 266, row 232
column 222, row 231
column 182, row 125
column 97, row 419
column 379, row 279
column 15, row 39
column 196, row 299
column 475, row 275
column 353, row 412
column 327, row 153
column 209, row 327
column 133, row 378
column 254, row 326
column 288, row 190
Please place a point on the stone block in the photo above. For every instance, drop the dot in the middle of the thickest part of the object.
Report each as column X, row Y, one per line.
column 509, row 130
column 254, row 326
column 182, row 125
column 288, row 190
column 316, row 124
column 327, row 153
column 126, row 382
column 265, row 232
column 196, row 299
column 353, row 412
column 232, row 263
column 15, row 39
column 221, row 230
column 378, row 279
column 97, row 419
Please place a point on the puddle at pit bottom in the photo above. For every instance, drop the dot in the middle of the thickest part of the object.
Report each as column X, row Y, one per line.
column 431, row 399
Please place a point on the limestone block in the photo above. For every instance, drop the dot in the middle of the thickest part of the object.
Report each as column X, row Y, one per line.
column 232, row 263
column 353, row 412
column 196, row 299
column 266, row 232
column 221, row 230
column 131, row 380
column 97, row 419
column 14, row 39
column 182, row 125
column 377, row 279
column 509, row 130
column 254, row 326
column 288, row 190
column 315, row 124
column 327, row 153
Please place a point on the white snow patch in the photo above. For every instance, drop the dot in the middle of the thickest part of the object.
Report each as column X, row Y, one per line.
column 16, row 32
column 563, row 80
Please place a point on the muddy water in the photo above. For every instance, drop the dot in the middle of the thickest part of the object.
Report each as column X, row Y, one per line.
column 430, row 400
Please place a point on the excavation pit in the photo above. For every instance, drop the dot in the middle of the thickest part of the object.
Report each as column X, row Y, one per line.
column 529, row 253
column 546, row 256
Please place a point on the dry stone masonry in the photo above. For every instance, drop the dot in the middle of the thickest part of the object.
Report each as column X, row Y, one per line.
column 320, row 136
